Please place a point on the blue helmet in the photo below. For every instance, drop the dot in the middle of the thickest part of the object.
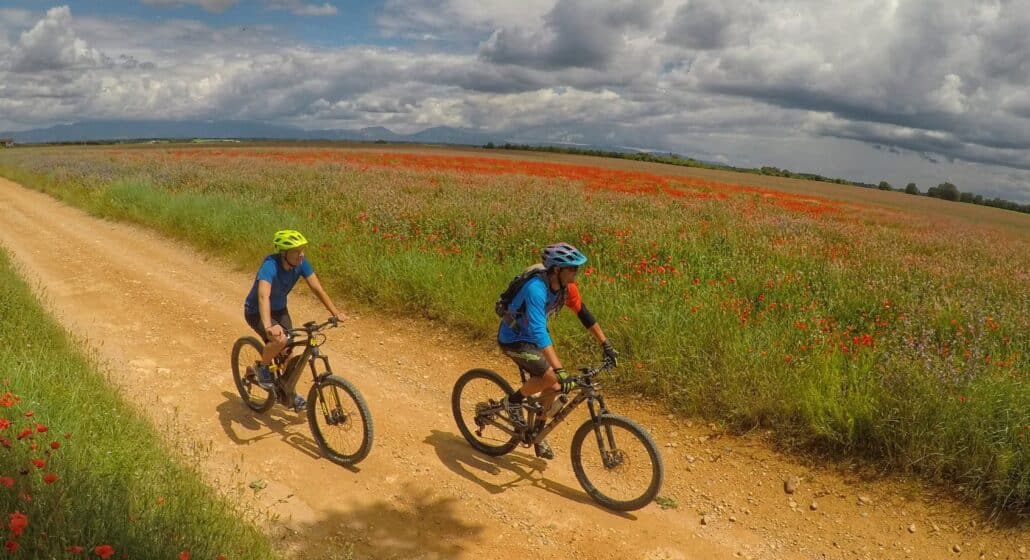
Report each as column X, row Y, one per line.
column 562, row 254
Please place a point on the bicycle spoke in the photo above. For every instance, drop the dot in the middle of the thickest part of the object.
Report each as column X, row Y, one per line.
column 340, row 421
column 246, row 354
column 617, row 463
column 478, row 412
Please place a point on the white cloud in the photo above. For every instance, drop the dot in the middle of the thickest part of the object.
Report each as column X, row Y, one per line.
column 52, row 45
column 441, row 19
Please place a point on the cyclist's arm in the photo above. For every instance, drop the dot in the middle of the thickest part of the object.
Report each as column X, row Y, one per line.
column 264, row 297
column 575, row 303
column 551, row 356
column 535, row 294
column 316, row 287
column 536, row 302
column 598, row 333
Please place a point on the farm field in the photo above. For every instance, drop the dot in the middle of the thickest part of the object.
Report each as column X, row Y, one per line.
column 847, row 326
column 729, row 301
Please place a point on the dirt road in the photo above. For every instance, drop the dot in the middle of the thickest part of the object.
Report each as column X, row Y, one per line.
column 162, row 318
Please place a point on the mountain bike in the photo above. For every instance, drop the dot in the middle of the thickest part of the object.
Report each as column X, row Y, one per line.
column 624, row 472
column 337, row 413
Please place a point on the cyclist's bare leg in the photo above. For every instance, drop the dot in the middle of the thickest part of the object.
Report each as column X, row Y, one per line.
column 547, row 385
column 272, row 349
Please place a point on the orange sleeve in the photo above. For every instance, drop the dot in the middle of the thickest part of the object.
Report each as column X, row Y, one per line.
column 573, row 300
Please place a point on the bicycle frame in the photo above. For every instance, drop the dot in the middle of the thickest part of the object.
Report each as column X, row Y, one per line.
column 586, row 391
column 288, row 376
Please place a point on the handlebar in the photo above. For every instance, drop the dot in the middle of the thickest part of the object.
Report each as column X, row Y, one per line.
column 587, row 374
column 312, row 327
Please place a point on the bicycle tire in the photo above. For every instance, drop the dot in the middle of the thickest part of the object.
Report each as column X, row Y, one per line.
column 605, row 424
column 503, row 388
column 246, row 384
column 339, row 403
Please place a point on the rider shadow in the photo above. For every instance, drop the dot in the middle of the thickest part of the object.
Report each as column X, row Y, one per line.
column 455, row 453
column 233, row 414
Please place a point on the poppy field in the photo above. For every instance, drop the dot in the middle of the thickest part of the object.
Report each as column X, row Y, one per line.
column 853, row 328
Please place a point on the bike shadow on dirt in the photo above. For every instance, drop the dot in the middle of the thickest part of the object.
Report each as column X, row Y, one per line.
column 454, row 452
column 244, row 426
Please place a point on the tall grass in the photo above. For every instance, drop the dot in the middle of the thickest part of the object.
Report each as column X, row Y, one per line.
column 895, row 337
column 116, row 485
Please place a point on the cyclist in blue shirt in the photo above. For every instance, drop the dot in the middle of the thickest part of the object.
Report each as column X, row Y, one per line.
column 523, row 335
column 265, row 307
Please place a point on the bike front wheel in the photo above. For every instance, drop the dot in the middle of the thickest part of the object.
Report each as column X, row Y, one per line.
column 476, row 403
column 246, row 353
column 619, row 467
column 340, row 420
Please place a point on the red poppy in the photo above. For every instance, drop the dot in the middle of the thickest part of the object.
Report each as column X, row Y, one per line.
column 184, row 555
column 50, row 478
column 104, row 551
column 4, row 423
column 74, row 549
column 40, row 463
column 7, row 481
column 17, row 523
column 41, row 428
column 55, row 444
column 25, row 433
column 12, row 546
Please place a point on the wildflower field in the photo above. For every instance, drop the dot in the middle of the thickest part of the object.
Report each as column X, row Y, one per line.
column 859, row 329
column 82, row 475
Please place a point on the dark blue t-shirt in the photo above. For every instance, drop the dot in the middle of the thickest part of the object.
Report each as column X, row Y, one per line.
column 282, row 282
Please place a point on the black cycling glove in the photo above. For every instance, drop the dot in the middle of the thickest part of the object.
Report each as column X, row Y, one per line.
column 610, row 354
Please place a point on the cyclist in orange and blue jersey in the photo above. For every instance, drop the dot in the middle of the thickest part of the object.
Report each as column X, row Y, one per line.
column 523, row 334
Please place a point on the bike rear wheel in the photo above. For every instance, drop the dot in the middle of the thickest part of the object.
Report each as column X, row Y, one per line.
column 340, row 420
column 475, row 402
column 246, row 353
column 619, row 467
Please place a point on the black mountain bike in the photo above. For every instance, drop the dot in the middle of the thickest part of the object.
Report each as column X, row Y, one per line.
column 623, row 472
column 339, row 417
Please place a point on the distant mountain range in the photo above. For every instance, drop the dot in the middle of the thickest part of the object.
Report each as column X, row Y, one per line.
column 113, row 130
column 117, row 130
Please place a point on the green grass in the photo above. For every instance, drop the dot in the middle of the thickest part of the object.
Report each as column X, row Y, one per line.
column 898, row 338
column 118, row 485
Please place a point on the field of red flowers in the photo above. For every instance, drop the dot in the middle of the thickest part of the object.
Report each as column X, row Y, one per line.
column 858, row 328
column 34, row 487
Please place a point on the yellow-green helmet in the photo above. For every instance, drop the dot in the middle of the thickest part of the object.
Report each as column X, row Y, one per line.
column 287, row 239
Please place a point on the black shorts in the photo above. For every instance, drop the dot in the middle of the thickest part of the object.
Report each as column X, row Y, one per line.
column 527, row 356
column 280, row 317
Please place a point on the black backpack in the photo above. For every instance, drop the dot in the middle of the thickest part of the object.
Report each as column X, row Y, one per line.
column 502, row 303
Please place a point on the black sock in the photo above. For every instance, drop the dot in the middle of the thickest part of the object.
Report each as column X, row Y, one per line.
column 516, row 397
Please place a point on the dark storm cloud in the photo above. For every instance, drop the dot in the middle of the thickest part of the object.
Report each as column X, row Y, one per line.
column 576, row 34
column 711, row 24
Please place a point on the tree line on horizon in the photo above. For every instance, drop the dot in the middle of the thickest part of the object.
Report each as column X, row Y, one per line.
column 943, row 191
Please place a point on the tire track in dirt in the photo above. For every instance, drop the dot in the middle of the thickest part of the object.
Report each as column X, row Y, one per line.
column 163, row 317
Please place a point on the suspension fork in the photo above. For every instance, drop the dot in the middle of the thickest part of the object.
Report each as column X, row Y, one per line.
column 609, row 435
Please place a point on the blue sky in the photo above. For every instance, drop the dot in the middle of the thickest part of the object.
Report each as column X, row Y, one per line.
column 916, row 90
